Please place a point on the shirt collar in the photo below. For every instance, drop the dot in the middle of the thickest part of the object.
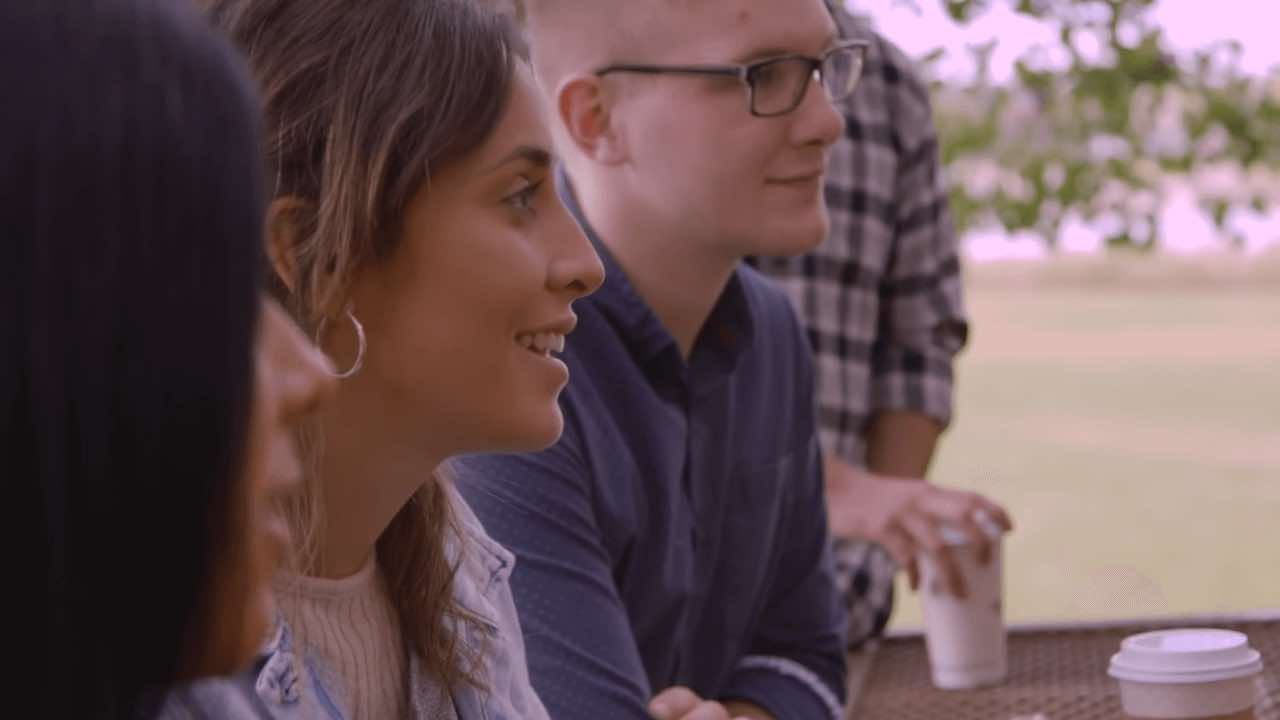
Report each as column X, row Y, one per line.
column 278, row 681
column 728, row 330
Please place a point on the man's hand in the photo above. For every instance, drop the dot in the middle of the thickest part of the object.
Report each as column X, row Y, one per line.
column 906, row 515
column 681, row 703
column 742, row 710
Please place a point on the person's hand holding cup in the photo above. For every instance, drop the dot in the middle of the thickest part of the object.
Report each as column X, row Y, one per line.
column 906, row 516
column 962, row 595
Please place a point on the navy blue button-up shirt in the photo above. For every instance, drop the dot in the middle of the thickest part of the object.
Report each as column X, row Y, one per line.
column 676, row 534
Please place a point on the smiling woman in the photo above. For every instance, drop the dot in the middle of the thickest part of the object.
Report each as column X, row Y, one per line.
column 414, row 230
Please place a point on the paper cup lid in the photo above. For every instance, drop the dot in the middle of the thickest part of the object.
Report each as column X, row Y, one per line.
column 1192, row 655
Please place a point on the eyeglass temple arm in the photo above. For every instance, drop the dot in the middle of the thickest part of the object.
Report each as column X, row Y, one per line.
column 738, row 72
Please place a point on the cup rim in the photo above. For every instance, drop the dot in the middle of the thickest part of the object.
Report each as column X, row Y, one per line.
column 1219, row 655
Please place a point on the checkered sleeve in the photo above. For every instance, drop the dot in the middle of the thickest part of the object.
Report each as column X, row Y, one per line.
column 921, row 322
column 889, row 209
column 880, row 298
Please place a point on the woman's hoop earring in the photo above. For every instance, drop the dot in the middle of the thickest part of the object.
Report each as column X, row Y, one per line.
column 361, row 344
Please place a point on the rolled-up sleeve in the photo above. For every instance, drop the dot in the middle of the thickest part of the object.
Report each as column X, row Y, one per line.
column 921, row 322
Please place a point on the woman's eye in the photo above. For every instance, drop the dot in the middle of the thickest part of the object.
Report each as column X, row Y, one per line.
column 522, row 199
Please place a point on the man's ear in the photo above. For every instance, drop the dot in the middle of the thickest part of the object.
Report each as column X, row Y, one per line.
column 285, row 221
column 586, row 113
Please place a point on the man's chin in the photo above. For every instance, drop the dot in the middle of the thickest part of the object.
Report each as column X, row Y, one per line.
column 790, row 240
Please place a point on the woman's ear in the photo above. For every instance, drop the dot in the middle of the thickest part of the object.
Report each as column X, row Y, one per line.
column 285, row 221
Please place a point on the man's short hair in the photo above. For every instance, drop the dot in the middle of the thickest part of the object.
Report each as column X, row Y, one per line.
column 569, row 36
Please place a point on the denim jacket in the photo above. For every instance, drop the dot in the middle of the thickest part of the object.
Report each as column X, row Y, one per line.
column 282, row 686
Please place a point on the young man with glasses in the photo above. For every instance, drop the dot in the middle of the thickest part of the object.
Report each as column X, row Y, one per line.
column 672, row 548
column 881, row 302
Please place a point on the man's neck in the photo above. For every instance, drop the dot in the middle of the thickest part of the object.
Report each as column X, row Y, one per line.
column 678, row 275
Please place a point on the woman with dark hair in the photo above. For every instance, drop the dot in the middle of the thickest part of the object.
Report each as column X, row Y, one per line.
column 145, row 393
column 415, row 230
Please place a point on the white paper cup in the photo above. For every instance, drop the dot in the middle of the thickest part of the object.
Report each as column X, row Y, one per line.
column 1183, row 674
column 965, row 637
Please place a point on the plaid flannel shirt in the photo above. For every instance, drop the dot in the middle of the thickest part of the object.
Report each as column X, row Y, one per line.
column 881, row 298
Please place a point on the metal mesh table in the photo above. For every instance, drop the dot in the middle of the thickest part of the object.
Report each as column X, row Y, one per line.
column 1059, row 672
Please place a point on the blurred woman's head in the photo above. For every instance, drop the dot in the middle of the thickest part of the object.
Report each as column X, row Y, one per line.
column 130, row 304
column 416, row 231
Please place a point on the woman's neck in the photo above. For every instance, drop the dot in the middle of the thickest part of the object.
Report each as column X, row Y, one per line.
column 368, row 471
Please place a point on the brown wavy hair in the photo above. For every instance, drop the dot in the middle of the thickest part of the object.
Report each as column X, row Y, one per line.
column 362, row 100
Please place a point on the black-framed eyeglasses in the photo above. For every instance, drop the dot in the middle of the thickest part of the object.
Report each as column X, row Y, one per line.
column 776, row 86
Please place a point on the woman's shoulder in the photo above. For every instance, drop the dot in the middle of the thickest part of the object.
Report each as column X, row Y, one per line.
column 482, row 587
column 279, row 685
column 484, row 565
column 214, row 699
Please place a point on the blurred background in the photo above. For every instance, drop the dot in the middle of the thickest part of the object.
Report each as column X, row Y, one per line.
column 1115, row 174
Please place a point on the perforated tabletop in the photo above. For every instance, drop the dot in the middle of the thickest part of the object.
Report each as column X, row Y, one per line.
column 1055, row 672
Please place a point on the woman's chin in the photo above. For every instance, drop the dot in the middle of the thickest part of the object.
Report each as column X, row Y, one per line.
column 540, row 431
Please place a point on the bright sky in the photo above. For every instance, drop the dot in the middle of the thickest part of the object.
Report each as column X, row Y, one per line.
column 1187, row 25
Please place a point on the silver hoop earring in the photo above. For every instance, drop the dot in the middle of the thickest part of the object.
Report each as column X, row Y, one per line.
column 361, row 344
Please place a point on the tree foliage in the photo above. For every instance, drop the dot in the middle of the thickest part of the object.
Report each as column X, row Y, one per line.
column 1100, row 138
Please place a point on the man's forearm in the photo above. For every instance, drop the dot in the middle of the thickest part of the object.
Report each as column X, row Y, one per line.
column 900, row 443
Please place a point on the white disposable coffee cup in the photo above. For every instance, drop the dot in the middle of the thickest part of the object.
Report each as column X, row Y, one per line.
column 1187, row 673
column 965, row 637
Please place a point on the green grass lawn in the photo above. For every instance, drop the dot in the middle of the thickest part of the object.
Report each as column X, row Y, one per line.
column 1133, row 428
